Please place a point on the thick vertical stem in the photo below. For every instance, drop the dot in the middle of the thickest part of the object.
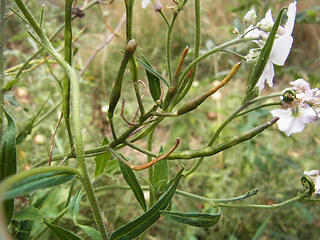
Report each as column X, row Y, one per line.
column 168, row 45
column 84, row 176
column 2, row 21
column 66, row 80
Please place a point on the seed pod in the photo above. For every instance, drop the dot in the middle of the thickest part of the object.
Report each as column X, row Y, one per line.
column 116, row 91
column 194, row 103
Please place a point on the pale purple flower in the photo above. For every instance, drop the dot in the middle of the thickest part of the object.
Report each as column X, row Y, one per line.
column 315, row 176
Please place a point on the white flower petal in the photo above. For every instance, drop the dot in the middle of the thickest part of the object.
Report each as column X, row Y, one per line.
column 312, row 173
column 317, row 185
column 281, row 49
column 267, row 74
column 285, row 119
column 300, row 85
column 292, row 9
column 145, row 3
column 295, row 125
column 308, row 115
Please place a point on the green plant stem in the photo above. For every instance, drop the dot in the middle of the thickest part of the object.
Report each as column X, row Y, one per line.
column 271, row 206
column 66, row 80
column 185, row 194
column 168, row 45
column 215, row 135
column 187, row 154
column 2, row 23
column 84, row 176
column 259, row 107
column 26, row 63
column 164, row 18
column 210, row 52
column 184, row 90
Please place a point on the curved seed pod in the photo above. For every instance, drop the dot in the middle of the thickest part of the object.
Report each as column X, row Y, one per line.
column 194, row 103
column 116, row 91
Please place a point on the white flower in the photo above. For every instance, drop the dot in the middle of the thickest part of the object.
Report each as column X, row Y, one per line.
column 281, row 46
column 145, row 3
column 293, row 120
column 315, row 176
column 250, row 16
column 156, row 4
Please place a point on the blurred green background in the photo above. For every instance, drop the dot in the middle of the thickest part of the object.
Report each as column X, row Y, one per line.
column 272, row 162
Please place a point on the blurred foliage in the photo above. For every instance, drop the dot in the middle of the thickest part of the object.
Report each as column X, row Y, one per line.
column 272, row 162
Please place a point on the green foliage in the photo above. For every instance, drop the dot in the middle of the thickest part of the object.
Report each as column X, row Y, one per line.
column 142, row 223
column 38, row 181
column 8, row 160
column 134, row 184
column 193, row 219
column 108, row 190
column 61, row 233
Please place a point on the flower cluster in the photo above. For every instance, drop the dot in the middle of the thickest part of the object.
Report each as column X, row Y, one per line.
column 301, row 108
column 282, row 44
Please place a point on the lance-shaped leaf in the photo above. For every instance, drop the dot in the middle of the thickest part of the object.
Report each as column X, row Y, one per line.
column 153, row 72
column 38, row 181
column 193, row 219
column 61, row 233
column 160, row 174
column 74, row 205
column 134, row 184
column 8, row 160
column 102, row 160
column 153, row 81
column 264, row 55
column 142, row 223
column 29, row 213
column 93, row 233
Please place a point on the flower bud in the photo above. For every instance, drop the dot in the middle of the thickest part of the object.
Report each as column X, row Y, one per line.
column 157, row 5
column 250, row 16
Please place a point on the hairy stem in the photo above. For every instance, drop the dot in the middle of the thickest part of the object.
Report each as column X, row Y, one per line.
column 76, row 117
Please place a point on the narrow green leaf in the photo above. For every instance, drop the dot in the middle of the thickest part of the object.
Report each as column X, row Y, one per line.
column 112, row 167
column 142, row 223
column 153, row 81
column 153, row 72
column 132, row 181
column 93, row 233
column 193, row 219
column 102, row 160
column 61, row 233
column 38, row 181
column 264, row 55
column 161, row 174
column 74, row 205
column 29, row 213
column 8, row 160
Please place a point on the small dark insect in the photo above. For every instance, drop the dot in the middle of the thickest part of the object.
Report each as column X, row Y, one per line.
column 77, row 12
